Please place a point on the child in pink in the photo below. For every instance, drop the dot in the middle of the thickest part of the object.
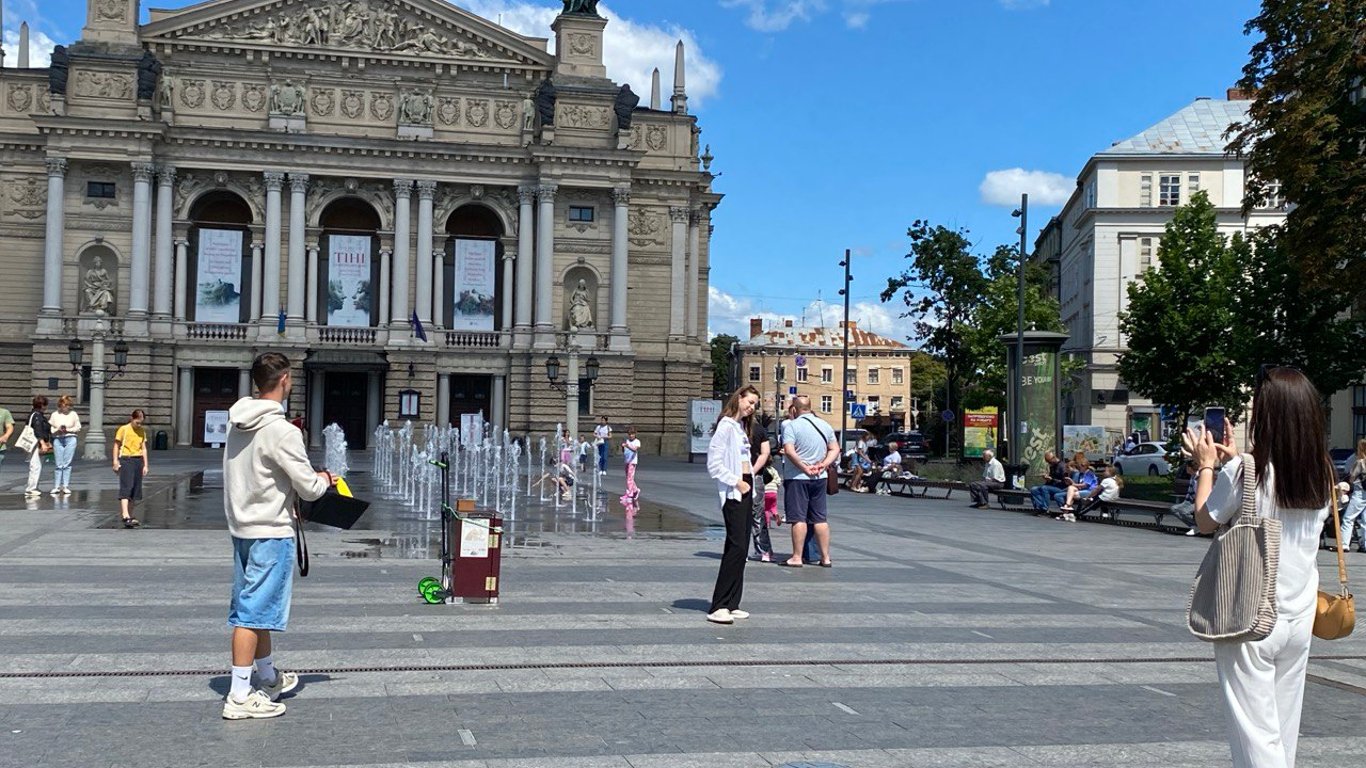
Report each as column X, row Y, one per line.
column 630, row 449
column 771, row 501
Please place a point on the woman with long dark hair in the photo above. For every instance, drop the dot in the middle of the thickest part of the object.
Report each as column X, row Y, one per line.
column 1263, row 680
column 728, row 463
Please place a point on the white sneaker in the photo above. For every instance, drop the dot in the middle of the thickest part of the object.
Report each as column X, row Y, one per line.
column 739, row 614
column 33, row 494
column 258, row 706
column 1190, row 532
column 56, row 492
column 66, row 491
column 284, row 683
column 721, row 616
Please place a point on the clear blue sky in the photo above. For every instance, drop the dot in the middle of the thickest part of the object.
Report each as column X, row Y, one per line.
column 835, row 123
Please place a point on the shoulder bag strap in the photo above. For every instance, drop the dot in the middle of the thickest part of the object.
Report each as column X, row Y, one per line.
column 1337, row 526
column 300, row 543
column 1249, row 479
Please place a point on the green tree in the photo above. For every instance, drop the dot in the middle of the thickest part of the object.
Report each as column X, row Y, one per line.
column 1183, row 329
column 721, row 362
column 1304, row 132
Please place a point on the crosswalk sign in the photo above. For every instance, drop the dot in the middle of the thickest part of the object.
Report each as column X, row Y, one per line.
column 858, row 410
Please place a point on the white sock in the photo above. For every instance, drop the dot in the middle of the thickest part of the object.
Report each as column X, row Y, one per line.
column 241, row 684
column 265, row 669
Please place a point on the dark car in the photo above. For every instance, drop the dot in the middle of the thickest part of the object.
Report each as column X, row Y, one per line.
column 911, row 445
column 1342, row 461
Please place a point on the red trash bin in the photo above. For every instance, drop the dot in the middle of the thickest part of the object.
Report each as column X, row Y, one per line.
column 476, row 558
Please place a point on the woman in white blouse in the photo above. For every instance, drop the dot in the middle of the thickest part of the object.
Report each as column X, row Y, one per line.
column 65, row 424
column 728, row 463
column 1263, row 680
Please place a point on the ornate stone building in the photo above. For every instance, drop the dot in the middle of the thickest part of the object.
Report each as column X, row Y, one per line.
column 335, row 179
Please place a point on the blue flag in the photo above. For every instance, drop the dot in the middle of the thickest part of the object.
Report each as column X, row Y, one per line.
column 280, row 325
column 417, row 327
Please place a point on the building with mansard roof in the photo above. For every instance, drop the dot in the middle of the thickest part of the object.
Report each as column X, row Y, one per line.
column 336, row 179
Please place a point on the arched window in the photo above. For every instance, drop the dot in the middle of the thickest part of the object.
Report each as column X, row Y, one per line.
column 219, row 269
column 348, row 264
column 471, row 278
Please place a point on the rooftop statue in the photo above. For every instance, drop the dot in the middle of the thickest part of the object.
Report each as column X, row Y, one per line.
column 584, row 7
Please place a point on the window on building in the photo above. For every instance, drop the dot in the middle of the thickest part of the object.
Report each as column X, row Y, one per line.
column 827, row 375
column 1145, row 190
column 1193, row 183
column 1091, row 195
column 1275, row 198
column 585, row 397
column 581, row 214
column 851, row 376
column 898, row 403
column 101, row 189
column 898, row 376
column 1145, row 254
column 1169, row 190
column 874, row 404
column 802, row 375
column 755, row 373
column 874, row 375
column 827, row 403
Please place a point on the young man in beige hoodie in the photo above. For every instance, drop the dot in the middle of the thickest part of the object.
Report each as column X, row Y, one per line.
column 265, row 468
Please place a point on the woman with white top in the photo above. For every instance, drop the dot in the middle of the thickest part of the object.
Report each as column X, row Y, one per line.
column 1356, row 503
column 728, row 463
column 65, row 424
column 601, row 434
column 1263, row 680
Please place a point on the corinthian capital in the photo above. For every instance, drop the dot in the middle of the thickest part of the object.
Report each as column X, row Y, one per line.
column 275, row 181
column 166, row 175
column 143, row 171
column 546, row 192
column 621, row 196
column 678, row 214
column 425, row 189
column 403, row 188
column 526, row 193
column 56, row 166
column 298, row 182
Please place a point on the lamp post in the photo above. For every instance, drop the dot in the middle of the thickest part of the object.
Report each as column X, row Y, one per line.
column 570, row 386
column 94, row 441
column 844, row 388
column 1017, row 427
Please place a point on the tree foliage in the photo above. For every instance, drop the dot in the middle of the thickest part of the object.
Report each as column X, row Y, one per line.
column 1306, row 131
column 721, row 362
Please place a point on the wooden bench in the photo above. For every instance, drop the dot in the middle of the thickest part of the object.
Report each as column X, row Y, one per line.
column 917, row 486
column 1012, row 497
column 1111, row 510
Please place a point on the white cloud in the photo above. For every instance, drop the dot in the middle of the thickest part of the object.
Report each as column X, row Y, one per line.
column 856, row 19
column 1004, row 187
column 39, row 48
column 631, row 50
column 1023, row 5
column 731, row 314
column 776, row 15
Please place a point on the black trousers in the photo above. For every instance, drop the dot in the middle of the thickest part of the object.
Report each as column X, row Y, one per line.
column 730, row 580
column 980, row 490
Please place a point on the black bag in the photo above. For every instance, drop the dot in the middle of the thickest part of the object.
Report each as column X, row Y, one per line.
column 332, row 509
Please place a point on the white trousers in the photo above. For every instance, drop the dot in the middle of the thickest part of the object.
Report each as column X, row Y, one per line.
column 35, row 468
column 1263, row 687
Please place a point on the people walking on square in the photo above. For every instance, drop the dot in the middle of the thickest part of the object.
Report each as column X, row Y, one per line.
column 265, row 468
column 131, row 465
column 761, row 460
column 1262, row 681
column 993, row 479
column 729, row 464
column 37, row 420
column 630, row 451
column 1054, row 487
column 1355, row 514
column 810, row 449
column 65, row 425
column 601, row 434
column 6, row 429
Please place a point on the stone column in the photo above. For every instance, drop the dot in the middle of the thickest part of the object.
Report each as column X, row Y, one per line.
column 373, row 406
column 311, row 289
column 509, row 267
column 52, row 245
column 425, row 191
column 162, row 267
column 257, row 270
column 182, row 276
column 401, row 281
column 314, row 419
column 185, row 408
column 545, row 265
column 677, row 274
column 694, row 268
column 498, row 404
column 443, row 399
column 244, row 383
column 270, row 267
column 142, row 239
column 298, row 268
column 439, row 288
column 385, row 258
column 525, row 252
column 621, row 204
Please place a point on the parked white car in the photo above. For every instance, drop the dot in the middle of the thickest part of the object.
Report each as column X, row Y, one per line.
column 1144, row 459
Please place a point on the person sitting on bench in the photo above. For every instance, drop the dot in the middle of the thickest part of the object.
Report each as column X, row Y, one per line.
column 1083, row 483
column 1054, row 487
column 891, row 468
column 993, row 479
column 1108, row 490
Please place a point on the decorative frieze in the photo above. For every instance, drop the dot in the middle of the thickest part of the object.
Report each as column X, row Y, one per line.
column 19, row 97
column 323, row 101
column 254, row 97
column 381, row 106
column 449, row 111
column 191, row 93
column 224, row 94
column 103, row 85
column 477, row 113
column 352, row 104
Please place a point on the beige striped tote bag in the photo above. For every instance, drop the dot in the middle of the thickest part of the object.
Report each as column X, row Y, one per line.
column 1234, row 594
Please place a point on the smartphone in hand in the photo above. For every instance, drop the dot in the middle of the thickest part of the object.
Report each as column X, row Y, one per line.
column 1215, row 418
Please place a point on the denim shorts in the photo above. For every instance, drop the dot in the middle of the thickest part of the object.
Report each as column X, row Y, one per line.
column 262, row 580
column 804, row 501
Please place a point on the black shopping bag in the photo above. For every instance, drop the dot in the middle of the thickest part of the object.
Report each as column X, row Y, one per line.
column 333, row 509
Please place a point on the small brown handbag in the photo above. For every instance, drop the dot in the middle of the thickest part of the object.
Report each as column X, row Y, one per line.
column 1335, row 616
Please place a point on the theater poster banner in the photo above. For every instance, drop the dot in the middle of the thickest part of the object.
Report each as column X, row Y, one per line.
column 218, row 278
column 702, row 418
column 979, row 432
column 348, row 280
column 474, row 285
column 1039, row 398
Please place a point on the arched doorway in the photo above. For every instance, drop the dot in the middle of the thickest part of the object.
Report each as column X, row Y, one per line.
column 219, row 268
column 348, row 270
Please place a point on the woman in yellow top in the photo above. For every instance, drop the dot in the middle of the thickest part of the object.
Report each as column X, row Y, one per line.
column 130, row 463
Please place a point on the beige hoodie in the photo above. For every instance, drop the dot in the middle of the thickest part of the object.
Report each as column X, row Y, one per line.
column 265, row 465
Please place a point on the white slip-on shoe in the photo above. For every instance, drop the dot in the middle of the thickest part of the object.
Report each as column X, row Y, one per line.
column 720, row 616
column 739, row 614
column 284, row 683
column 258, row 706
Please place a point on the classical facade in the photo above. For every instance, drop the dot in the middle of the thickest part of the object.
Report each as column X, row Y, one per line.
column 1107, row 236
column 811, row 361
column 338, row 179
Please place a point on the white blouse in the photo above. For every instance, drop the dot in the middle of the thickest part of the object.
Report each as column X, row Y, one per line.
column 70, row 420
column 1297, row 581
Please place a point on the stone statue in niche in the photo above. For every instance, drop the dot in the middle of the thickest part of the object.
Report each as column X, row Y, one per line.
column 287, row 99
column 98, row 288
column 167, row 91
column 583, row 7
column 545, row 102
column 627, row 101
column 528, row 114
column 581, row 307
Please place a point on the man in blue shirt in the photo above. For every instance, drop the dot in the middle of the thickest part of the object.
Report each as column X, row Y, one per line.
column 810, row 449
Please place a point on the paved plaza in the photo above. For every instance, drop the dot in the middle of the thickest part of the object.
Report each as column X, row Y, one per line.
column 943, row 636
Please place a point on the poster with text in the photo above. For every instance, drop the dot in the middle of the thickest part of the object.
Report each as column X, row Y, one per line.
column 218, row 278
column 348, row 280
column 474, row 285
column 215, row 427
column 702, row 418
column 979, row 432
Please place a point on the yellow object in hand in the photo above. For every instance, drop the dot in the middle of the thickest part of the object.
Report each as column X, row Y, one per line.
column 343, row 488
